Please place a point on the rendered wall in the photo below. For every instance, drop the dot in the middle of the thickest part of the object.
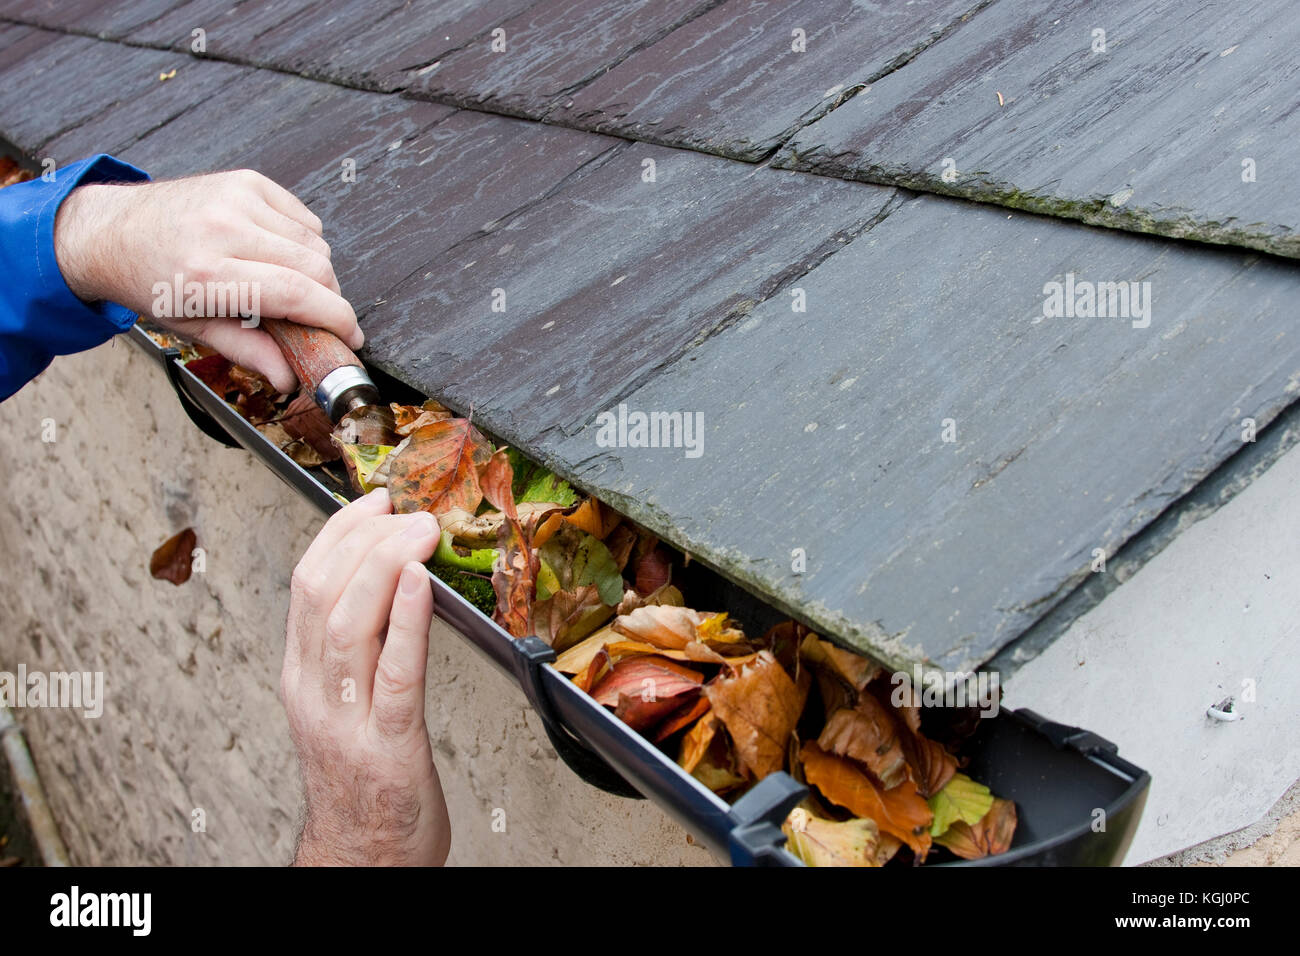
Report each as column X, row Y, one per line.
column 192, row 718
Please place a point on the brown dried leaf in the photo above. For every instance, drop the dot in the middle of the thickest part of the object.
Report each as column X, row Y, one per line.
column 868, row 734
column 514, row 579
column 304, row 420
column 173, row 560
column 853, row 669
column 932, row 766
column 760, row 705
column 992, row 835
column 407, row 419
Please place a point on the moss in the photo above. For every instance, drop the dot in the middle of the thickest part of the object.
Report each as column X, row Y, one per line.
column 472, row 587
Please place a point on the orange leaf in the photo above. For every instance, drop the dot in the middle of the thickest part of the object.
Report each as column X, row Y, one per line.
column 589, row 515
column 901, row 811
column 696, row 742
column 683, row 717
column 439, row 469
column 594, row 672
column 760, row 705
column 853, row 669
column 410, row 418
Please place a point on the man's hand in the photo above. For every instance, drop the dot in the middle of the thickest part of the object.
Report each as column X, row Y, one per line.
column 114, row 242
column 355, row 697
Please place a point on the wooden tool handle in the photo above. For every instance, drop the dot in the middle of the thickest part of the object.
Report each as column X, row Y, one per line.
column 312, row 353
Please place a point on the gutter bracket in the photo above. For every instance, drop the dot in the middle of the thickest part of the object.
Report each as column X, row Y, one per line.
column 1062, row 736
column 171, row 359
column 756, row 839
column 530, row 654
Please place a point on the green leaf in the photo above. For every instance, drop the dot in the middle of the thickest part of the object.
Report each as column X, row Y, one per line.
column 547, row 581
column 960, row 799
column 534, row 483
column 574, row 559
column 593, row 564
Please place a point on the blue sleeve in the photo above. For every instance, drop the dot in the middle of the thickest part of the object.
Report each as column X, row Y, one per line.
column 40, row 317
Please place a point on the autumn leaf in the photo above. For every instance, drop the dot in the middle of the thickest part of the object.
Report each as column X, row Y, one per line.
column 708, row 756
column 408, row 419
column 673, row 627
column 588, row 563
column 664, row 595
column 534, row 483
column 484, row 529
column 567, row 617
column 853, row 669
column 172, row 561
column 697, row 740
column 594, row 672
column 992, row 835
column 514, row 579
column 962, row 799
column 867, row 733
column 645, row 690
column 760, row 705
column 682, row 718
column 653, row 571
column 213, row 371
column 304, row 420
column 367, row 425
column 932, row 766
column 439, row 469
column 900, row 811
column 589, row 516
column 820, row 842
column 361, row 462
column 576, row 658
column 649, row 676
column 578, row 585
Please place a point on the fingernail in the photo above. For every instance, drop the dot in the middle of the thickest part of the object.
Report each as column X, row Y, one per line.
column 422, row 525
column 412, row 579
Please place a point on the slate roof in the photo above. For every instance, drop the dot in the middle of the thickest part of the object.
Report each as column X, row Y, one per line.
column 777, row 174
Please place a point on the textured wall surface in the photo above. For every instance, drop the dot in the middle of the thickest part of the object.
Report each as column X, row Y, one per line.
column 192, row 718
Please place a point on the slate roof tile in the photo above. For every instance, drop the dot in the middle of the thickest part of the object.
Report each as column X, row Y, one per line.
column 822, row 429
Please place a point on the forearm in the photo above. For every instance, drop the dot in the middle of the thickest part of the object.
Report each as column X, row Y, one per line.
column 41, row 316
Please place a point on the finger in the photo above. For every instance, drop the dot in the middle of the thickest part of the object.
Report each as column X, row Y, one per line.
column 264, row 215
column 287, row 294
column 352, row 630
column 312, row 581
column 262, row 245
column 290, row 205
column 251, row 348
column 343, row 521
column 323, row 584
column 398, row 696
